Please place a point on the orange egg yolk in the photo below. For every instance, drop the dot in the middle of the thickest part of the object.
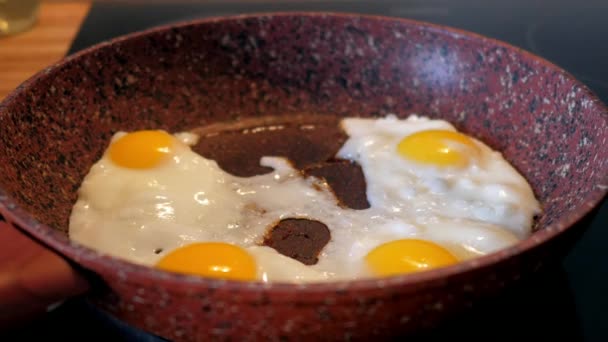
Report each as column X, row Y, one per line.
column 211, row 259
column 141, row 149
column 407, row 256
column 439, row 147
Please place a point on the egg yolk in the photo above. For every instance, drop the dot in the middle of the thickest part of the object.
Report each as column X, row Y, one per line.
column 141, row 149
column 438, row 147
column 211, row 259
column 407, row 256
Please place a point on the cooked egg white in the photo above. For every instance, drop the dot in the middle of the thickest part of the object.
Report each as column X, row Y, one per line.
column 142, row 206
column 488, row 189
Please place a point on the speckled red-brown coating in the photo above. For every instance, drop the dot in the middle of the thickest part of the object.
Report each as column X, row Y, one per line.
column 56, row 125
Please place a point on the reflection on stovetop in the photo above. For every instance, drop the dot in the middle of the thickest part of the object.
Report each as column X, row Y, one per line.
column 541, row 306
column 578, row 46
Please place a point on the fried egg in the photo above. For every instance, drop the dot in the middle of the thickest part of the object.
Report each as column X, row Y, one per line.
column 436, row 196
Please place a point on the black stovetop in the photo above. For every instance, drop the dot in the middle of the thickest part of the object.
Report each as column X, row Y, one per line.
column 565, row 302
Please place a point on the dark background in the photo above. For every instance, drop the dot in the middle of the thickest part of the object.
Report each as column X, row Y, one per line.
column 566, row 302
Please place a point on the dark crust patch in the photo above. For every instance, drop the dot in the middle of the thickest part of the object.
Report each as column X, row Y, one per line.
column 310, row 143
column 237, row 147
column 345, row 179
column 300, row 239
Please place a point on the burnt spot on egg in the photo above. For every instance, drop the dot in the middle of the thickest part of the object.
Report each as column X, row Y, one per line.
column 310, row 143
column 299, row 239
column 345, row 179
column 238, row 146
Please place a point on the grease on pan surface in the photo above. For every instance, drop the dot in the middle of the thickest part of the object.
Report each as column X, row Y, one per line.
column 315, row 198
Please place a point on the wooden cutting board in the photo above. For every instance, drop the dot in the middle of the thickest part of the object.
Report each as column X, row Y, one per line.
column 23, row 54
